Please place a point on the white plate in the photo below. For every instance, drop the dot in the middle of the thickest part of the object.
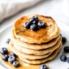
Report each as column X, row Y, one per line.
column 54, row 64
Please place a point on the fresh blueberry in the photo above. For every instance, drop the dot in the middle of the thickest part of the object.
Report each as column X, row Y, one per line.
column 34, row 22
column 68, row 59
column 63, row 58
column 8, row 40
column 33, row 27
column 4, row 51
column 66, row 49
column 64, row 40
column 16, row 64
column 26, row 25
column 34, row 19
column 5, row 57
column 43, row 67
column 13, row 54
column 41, row 24
column 11, row 59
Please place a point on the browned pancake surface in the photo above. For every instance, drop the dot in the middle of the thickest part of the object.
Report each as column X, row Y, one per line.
column 42, row 35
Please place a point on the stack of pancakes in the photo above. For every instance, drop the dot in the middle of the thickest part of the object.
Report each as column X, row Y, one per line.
column 36, row 47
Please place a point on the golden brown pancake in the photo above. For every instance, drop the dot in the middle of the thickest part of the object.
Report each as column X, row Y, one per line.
column 26, row 56
column 37, row 52
column 34, row 46
column 46, row 34
column 52, row 56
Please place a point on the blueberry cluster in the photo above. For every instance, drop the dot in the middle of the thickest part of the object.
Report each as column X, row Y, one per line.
column 64, row 58
column 11, row 58
column 34, row 24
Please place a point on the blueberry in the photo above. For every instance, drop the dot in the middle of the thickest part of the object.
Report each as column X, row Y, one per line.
column 63, row 58
column 26, row 25
column 16, row 64
column 34, row 19
column 33, row 27
column 4, row 51
column 64, row 40
column 13, row 54
column 68, row 59
column 8, row 40
column 11, row 59
column 34, row 22
column 41, row 24
column 43, row 67
column 66, row 49
column 5, row 57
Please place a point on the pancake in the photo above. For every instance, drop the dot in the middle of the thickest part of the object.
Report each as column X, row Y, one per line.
column 26, row 56
column 34, row 46
column 37, row 52
column 46, row 34
column 35, row 62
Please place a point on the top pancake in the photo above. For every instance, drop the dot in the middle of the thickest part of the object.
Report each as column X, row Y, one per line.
column 46, row 34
